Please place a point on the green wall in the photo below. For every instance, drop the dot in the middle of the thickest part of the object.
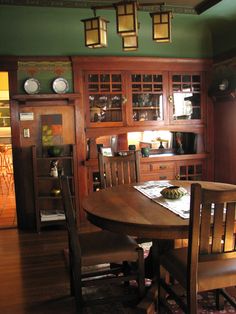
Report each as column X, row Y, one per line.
column 221, row 20
column 38, row 31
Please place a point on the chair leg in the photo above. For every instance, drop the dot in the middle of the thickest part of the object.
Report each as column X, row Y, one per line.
column 228, row 297
column 219, row 300
column 141, row 272
column 192, row 302
column 77, row 289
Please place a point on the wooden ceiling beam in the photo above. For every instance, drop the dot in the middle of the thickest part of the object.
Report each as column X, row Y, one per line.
column 205, row 5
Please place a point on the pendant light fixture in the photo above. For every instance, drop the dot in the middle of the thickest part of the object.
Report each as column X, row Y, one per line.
column 95, row 28
column 130, row 43
column 126, row 18
column 95, row 32
column 161, row 26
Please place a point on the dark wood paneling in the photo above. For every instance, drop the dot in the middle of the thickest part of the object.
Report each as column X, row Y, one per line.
column 224, row 139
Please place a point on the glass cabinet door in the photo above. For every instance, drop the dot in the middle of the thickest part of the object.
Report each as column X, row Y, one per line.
column 105, row 97
column 186, row 96
column 147, row 97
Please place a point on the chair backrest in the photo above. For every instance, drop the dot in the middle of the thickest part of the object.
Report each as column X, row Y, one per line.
column 116, row 170
column 212, row 226
column 73, row 239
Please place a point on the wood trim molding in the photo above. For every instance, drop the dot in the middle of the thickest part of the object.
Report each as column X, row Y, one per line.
column 183, row 8
column 228, row 57
column 87, row 63
column 41, row 97
column 205, row 5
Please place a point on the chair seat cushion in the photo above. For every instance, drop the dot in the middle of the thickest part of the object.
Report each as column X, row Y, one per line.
column 106, row 247
column 211, row 274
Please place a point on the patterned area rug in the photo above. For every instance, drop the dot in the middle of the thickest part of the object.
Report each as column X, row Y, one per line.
column 206, row 305
column 206, row 301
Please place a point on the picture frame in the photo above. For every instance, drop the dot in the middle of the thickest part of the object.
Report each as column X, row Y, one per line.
column 106, row 151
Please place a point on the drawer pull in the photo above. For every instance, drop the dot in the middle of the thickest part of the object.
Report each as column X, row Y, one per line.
column 163, row 177
column 163, row 167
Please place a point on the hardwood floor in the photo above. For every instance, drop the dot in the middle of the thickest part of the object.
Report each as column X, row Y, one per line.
column 34, row 278
column 8, row 217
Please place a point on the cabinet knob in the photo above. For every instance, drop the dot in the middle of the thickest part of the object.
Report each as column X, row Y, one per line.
column 162, row 177
column 163, row 167
column 170, row 98
column 124, row 100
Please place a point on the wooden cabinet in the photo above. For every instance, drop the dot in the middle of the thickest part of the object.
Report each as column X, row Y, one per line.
column 135, row 94
column 150, row 97
column 105, row 98
column 186, row 97
column 48, row 203
column 147, row 90
column 191, row 170
column 157, row 170
column 180, row 167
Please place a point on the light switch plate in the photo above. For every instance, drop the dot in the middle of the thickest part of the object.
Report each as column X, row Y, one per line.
column 26, row 133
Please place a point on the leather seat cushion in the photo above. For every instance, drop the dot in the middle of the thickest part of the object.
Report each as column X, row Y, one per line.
column 211, row 274
column 106, row 247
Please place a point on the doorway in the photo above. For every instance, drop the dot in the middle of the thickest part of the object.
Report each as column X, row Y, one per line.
column 7, row 192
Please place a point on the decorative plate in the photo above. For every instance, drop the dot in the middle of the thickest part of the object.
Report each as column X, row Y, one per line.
column 173, row 192
column 32, row 86
column 60, row 85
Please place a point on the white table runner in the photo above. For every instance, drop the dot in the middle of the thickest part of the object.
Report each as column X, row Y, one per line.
column 152, row 190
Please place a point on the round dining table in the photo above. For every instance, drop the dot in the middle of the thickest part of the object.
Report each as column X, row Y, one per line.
column 124, row 209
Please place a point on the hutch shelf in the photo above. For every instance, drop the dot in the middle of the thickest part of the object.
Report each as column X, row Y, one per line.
column 48, row 203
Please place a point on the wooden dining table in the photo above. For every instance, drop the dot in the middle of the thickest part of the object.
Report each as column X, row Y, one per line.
column 126, row 210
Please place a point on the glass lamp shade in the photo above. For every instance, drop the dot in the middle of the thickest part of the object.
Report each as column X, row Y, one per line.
column 126, row 18
column 130, row 43
column 161, row 26
column 95, row 32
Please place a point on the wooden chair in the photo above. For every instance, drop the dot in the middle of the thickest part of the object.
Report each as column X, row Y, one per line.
column 96, row 249
column 115, row 170
column 209, row 262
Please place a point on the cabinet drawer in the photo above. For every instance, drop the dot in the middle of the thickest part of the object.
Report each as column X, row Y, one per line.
column 158, row 176
column 162, row 166
column 157, row 167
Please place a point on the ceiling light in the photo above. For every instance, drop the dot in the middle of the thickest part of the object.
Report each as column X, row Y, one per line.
column 95, row 32
column 126, row 18
column 161, row 26
column 127, row 25
column 130, row 43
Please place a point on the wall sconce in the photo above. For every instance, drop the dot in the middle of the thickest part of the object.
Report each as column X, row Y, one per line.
column 161, row 26
column 130, row 43
column 126, row 18
column 95, row 32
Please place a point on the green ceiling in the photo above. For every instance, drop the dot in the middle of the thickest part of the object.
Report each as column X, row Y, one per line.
column 55, row 31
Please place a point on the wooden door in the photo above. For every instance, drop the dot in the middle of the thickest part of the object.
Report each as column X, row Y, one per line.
column 28, row 132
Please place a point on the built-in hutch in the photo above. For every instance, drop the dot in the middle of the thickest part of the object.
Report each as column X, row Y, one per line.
column 125, row 95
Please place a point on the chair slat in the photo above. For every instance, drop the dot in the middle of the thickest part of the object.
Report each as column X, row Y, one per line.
column 107, row 173
column 120, row 173
column 132, row 172
column 217, row 228
column 205, row 228
column 113, row 167
column 127, row 172
column 229, row 239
